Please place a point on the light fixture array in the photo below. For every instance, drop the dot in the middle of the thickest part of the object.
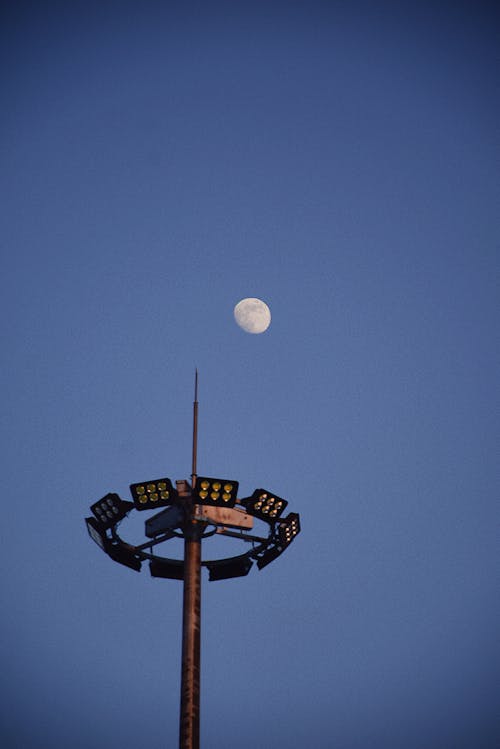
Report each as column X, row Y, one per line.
column 216, row 492
column 264, row 504
column 148, row 495
column 289, row 528
column 110, row 509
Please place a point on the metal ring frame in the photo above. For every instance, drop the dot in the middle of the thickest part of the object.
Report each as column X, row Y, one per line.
column 140, row 553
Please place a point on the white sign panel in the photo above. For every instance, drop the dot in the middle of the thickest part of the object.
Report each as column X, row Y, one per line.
column 231, row 517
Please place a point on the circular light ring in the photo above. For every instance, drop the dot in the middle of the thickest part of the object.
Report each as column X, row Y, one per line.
column 144, row 556
column 251, row 554
column 258, row 550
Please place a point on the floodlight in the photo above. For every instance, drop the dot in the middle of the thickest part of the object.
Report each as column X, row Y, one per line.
column 97, row 533
column 148, row 495
column 268, row 556
column 226, row 568
column 110, row 509
column 125, row 556
column 289, row 528
column 172, row 569
column 264, row 504
column 215, row 492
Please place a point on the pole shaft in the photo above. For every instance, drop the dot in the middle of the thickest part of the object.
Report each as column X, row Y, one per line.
column 189, row 729
column 191, row 625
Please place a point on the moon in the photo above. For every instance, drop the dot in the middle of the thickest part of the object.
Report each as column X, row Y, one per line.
column 252, row 315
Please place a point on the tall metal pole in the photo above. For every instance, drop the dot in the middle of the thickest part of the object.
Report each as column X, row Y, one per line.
column 189, row 732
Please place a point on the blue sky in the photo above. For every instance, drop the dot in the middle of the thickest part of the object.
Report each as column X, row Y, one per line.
column 161, row 161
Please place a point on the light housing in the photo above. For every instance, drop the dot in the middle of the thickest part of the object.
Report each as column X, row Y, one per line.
column 110, row 509
column 97, row 533
column 171, row 569
column 119, row 552
column 125, row 556
column 264, row 504
column 215, row 492
column 148, row 495
column 232, row 567
column 289, row 528
column 268, row 556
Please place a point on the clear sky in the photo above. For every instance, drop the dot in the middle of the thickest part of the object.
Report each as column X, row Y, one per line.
column 159, row 162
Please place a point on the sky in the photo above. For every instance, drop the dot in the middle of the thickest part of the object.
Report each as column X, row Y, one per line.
column 338, row 160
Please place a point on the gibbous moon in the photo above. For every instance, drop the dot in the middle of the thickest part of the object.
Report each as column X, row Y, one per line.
column 252, row 315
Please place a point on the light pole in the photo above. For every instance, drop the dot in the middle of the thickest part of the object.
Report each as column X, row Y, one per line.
column 193, row 511
column 189, row 725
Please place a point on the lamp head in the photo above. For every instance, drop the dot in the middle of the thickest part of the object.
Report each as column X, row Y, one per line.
column 268, row 556
column 110, row 509
column 97, row 533
column 215, row 492
column 119, row 553
column 148, row 495
column 171, row 569
column 264, row 504
column 289, row 528
column 233, row 567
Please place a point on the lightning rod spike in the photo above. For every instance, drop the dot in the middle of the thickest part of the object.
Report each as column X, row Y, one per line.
column 195, row 429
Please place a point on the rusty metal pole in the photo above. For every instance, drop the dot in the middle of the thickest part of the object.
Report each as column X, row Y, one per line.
column 191, row 626
column 189, row 732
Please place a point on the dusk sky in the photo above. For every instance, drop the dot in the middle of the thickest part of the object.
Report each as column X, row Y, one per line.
column 159, row 162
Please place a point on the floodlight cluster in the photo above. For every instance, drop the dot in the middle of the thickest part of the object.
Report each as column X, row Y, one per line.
column 154, row 492
column 289, row 528
column 110, row 509
column 215, row 492
column 264, row 504
column 150, row 494
column 106, row 509
column 219, row 492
